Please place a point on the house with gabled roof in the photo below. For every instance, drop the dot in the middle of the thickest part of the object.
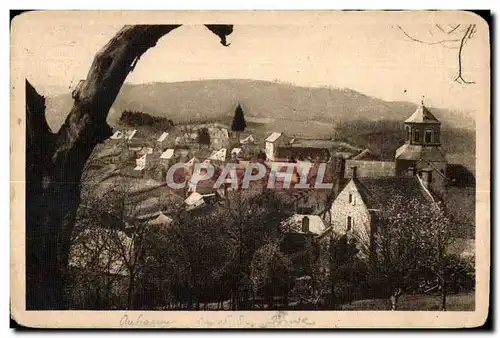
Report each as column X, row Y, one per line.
column 140, row 163
column 357, row 209
column 303, row 224
column 272, row 142
column 219, row 136
column 194, row 200
column 161, row 220
column 305, row 149
column 299, row 231
column 218, row 155
column 250, row 139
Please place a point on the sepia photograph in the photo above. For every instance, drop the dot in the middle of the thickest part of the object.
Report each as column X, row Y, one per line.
column 250, row 169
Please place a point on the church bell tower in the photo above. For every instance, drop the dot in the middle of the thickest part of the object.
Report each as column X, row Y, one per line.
column 421, row 153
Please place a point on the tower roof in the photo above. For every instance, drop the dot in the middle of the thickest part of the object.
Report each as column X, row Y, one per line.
column 413, row 152
column 422, row 115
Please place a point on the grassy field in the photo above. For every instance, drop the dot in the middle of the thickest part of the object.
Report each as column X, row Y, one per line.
column 457, row 302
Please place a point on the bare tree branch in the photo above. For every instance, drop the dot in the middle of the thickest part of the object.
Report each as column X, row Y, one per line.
column 426, row 42
column 453, row 29
column 467, row 35
column 440, row 28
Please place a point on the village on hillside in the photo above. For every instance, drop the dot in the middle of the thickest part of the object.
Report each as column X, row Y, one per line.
column 316, row 231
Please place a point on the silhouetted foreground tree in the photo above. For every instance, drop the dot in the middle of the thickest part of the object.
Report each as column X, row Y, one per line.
column 54, row 161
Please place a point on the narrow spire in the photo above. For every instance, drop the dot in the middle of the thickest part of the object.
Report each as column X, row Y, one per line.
column 422, row 101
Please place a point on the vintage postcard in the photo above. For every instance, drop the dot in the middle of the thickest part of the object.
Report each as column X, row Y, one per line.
column 261, row 169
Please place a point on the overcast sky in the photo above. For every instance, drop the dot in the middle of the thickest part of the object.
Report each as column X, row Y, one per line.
column 367, row 54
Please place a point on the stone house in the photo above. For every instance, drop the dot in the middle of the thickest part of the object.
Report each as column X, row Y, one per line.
column 355, row 212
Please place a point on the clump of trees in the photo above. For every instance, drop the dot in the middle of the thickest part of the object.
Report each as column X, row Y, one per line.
column 196, row 260
column 140, row 119
column 203, row 136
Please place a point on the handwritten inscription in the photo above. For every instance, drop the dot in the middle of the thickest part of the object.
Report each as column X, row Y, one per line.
column 280, row 319
column 141, row 321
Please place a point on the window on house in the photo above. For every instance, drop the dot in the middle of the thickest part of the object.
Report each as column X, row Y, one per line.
column 416, row 135
column 428, row 136
column 407, row 133
column 349, row 223
column 350, row 198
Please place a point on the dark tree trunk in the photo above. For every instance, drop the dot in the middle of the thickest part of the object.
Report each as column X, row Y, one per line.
column 130, row 292
column 443, row 296
column 269, row 302
column 54, row 162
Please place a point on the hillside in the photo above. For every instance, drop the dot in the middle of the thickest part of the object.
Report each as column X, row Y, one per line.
column 214, row 99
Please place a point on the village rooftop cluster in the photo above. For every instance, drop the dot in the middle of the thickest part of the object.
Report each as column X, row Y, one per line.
column 207, row 160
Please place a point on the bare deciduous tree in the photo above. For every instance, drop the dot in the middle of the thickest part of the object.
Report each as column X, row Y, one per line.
column 412, row 243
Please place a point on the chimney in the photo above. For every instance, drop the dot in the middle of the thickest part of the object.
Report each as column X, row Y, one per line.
column 354, row 171
column 411, row 171
column 426, row 178
column 305, row 224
